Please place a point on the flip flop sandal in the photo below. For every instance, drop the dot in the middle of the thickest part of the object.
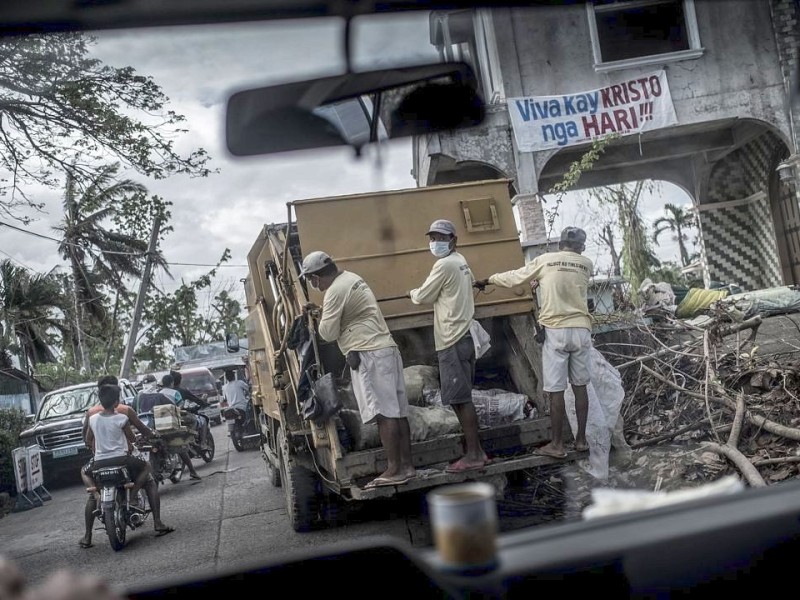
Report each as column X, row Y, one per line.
column 549, row 453
column 164, row 531
column 386, row 482
column 456, row 469
column 85, row 544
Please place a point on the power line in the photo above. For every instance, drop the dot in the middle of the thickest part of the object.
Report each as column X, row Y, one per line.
column 19, row 262
column 58, row 241
column 61, row 241
column 206, row 265
column 33, row 233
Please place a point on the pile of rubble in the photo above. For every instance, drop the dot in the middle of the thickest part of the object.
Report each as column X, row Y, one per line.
column 713, row 395
column 726, row 384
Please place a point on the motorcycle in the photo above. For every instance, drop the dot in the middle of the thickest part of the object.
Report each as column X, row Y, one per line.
column 163, row 451
column 116, row 512
column 194, row 448
column 243, row 429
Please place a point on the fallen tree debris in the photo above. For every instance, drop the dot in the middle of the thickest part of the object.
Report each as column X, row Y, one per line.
column 700, row 380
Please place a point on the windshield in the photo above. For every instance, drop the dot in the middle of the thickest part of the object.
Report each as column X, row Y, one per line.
column 202, row 382
column 69, row 402
column 591, row 288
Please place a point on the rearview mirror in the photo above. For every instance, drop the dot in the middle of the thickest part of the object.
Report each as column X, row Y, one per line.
column 353, row 109
column 232, row 342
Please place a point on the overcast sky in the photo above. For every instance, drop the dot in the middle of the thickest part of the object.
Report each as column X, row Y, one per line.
column 198, row 68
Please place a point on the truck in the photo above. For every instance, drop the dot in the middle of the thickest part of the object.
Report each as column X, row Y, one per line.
column 386, row 244
column 57, row 428
column 203, row 367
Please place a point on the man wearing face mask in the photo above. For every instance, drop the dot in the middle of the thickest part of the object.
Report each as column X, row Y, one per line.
column 351, row 317
column 449, row 289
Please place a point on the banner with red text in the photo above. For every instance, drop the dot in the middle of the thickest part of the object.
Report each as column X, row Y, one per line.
column 632, row 106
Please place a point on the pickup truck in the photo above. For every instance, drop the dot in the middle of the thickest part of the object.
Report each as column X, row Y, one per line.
column 312, row 460
column 57, row 427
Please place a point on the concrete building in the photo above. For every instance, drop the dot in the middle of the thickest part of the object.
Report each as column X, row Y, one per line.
column 699, row 91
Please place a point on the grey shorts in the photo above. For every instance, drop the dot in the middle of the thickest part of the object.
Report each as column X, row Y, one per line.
column 457, row 371
column 378, row 385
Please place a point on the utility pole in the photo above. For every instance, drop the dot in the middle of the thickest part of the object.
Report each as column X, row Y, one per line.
column 127, row 359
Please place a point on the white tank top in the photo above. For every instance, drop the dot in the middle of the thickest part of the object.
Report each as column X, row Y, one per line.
column 109, row 438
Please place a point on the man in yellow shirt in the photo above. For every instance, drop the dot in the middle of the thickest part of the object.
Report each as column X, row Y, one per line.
column 351, row 317
column 449, row 289
column 563, row 282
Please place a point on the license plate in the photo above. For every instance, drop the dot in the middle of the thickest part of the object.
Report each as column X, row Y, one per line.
column 144, row 455
column 62, row 452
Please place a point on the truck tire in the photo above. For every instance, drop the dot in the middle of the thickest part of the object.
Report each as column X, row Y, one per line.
column 299, row 485
column 274, row 475
column 273, row 471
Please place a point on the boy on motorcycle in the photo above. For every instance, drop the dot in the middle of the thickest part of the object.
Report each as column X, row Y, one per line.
column 108, row 436
column 86, row 470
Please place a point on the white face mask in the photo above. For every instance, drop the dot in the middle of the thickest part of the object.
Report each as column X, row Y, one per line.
column 440, row 249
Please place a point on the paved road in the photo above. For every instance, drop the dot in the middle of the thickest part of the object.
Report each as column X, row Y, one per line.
column 232, row 516
column 231, row 519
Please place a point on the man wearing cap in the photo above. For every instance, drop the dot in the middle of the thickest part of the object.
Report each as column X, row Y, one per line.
column 563, row 281
column 449, row 289
column 351, row 317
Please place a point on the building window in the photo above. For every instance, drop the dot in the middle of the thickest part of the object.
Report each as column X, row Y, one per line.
column 469, row 36
column 627, row 33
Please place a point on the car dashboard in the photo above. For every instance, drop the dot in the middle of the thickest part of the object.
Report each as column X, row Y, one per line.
column 743, row 543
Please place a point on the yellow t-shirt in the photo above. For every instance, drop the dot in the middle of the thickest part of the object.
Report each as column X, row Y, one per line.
column 563, row 278
column 449, row 289
column 351, row 316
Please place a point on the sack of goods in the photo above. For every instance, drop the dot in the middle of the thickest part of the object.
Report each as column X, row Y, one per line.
column 167, row 418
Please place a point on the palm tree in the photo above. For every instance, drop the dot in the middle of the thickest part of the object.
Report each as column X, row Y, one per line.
column 678, row 221
column 97, row 255
column 28, row 302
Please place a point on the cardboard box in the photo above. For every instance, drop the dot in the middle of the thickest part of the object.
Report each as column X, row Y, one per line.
column 167, row 417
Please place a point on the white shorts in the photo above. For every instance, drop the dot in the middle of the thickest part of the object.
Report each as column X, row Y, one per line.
column 378, row 385
column 566, row 353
